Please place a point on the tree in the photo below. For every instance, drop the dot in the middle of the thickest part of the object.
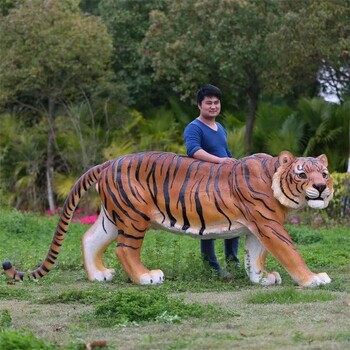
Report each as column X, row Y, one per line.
column 127, row 22
column 311, row 43
column 222, row 42
column 313, row 46
column 50, row 53
column 22, row 150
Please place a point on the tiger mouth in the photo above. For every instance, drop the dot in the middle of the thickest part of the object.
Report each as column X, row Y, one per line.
column 314, row 199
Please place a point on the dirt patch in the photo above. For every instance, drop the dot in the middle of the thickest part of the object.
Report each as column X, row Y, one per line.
column 319, row 325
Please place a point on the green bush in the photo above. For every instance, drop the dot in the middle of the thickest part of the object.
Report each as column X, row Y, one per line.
column 339, row 206
column 150, row 305
column 11, row 339
column 5, row 319
column 305, row 236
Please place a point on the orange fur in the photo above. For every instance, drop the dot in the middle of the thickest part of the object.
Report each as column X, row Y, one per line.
column 198, row 199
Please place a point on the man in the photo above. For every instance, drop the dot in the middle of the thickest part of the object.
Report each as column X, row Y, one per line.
column 206, row 139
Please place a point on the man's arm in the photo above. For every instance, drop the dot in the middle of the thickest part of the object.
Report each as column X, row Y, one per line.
column 192, row 136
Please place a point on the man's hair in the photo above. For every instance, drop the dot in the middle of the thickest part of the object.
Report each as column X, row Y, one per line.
column 208, row 90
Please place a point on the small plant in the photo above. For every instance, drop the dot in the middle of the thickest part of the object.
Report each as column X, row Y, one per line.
column 5, row 319
column 339, row 207
column 22, row 340
column 140, row 305
column 305, row 237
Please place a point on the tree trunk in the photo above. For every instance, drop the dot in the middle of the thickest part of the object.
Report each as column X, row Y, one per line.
column 49, row 159
column 252, row 96
column 348, row 170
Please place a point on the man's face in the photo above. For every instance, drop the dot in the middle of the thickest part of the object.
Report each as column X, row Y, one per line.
column 210, row 107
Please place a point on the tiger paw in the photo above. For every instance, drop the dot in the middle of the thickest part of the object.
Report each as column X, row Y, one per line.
column 318, row 279
column 152, row 277
column 102, row 275
column 271, row 278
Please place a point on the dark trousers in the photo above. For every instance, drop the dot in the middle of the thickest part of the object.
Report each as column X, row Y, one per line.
column 208, row 252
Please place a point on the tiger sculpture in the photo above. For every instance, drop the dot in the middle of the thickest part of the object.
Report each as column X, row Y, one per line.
column 176, row 193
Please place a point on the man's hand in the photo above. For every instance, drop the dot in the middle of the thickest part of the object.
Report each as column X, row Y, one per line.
column 203, row 155
column 227, row 160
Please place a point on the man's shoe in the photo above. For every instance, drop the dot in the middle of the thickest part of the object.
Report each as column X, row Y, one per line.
column 226, row 276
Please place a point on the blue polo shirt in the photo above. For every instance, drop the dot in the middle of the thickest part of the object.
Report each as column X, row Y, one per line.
column 198, row 136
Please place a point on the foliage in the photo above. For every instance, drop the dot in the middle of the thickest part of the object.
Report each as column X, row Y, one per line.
column 180, row 26
column 22, row 152
column 51, row 53
column 64, row 111
column 22, row 340
column 44, row 60
column 317, row 115
column 339, row 207
column 5, row 319
column 48, row 49
column 313, row 127
column 235, row 141
column 312, row 35
column 161, row 133
column 136, row 305
column 234, row 29
column 305, row 237
column 277, row 128
column 84, row 143
column 127, row 23
column 289, row 296
column 6, row 6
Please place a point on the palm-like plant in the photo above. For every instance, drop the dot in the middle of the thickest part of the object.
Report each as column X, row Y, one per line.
column 161, row 133
column 287, row 137
column 317, row 115
column 326, row 128
column 235, row 141
column 276, row 129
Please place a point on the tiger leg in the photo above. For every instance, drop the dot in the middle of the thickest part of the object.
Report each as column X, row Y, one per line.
column 254, row 262
column 128, row 252
column 94, row 243
column 278, row 242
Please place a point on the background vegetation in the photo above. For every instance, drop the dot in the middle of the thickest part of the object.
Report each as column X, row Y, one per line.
column 84, row 81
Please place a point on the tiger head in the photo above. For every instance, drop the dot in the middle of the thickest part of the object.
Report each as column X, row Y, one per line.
column 302, row 181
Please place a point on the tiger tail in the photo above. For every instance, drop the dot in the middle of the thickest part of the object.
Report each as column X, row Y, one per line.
column 81, row 186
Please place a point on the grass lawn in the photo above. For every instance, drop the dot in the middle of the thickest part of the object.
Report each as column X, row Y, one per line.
column 191, row 310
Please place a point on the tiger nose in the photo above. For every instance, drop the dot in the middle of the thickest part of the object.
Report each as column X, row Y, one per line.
column 319, row 187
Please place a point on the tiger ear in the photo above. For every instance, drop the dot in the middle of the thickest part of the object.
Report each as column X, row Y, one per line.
column 285, row 158
column 323, row 159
